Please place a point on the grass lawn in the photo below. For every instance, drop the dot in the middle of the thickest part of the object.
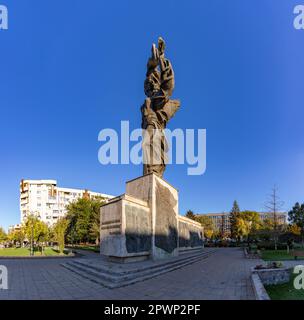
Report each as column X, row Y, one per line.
column 285, row 291
column 278, row 255
column 23, row 252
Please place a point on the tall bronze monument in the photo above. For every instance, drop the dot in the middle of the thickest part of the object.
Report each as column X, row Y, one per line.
column 144, row 223
column 157, row 110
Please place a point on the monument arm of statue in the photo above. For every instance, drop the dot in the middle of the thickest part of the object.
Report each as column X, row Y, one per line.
column 167, row 73
column 158, row 109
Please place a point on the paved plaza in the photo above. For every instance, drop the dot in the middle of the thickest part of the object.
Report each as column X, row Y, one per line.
column 224, row 275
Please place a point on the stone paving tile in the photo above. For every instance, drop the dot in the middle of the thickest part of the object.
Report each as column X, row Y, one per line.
column 224, row 275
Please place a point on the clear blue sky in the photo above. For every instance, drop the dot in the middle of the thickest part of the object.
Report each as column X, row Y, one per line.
column 71, row 68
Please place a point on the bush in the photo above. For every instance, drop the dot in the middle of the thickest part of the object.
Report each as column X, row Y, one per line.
column 270, row 265
column 209, row 245
column 233, row 244
column 297, row 246
column 253, row 247
column 274, row 265
column 223, row 244
column 271, row 246
column 289, row 236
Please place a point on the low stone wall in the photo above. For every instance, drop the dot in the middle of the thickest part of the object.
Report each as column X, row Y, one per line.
column 258, row 288
column 191, row 234
column 125, row 229
column 262, row 277
column 273, row 276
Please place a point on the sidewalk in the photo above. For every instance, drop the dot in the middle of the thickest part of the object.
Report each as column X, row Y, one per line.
column 224, row 275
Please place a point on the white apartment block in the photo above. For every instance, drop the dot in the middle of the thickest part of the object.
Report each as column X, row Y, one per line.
column 47, row 201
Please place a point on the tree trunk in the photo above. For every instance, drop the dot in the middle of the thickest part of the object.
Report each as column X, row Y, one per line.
column 97, row 241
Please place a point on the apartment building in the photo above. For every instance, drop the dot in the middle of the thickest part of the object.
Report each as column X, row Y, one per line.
column 46, row 200
column 222, row 222
column 281, row 217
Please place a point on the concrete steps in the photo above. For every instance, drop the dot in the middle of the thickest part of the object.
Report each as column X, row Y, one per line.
column 107, row 275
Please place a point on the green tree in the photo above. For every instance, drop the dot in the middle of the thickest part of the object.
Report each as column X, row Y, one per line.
column 223, row 230
column 190, row 215
column 234, row 214
column 17, row 236
column 35, row 230
column 59, row 230
column 296, row 217
column 294, row 229
column 247, row 222
column 79, row 217
column 253, row 221
column 96, row 204
column 242, row 228
column 268, row 224
column 207, row 223
column 3, row 235
column 253, row 218
column 83, row 218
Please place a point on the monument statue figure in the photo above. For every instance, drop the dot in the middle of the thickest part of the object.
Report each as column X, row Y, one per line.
column 157, row 110
column 144, row 223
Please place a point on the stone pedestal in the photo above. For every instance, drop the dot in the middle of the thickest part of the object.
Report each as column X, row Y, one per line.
column 144, row 223
column 162, row 201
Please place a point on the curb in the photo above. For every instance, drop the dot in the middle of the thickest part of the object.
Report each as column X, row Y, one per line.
column 37, row 257
column 258, row 288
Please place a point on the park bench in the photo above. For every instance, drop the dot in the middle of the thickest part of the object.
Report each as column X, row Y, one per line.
column 297, row 254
